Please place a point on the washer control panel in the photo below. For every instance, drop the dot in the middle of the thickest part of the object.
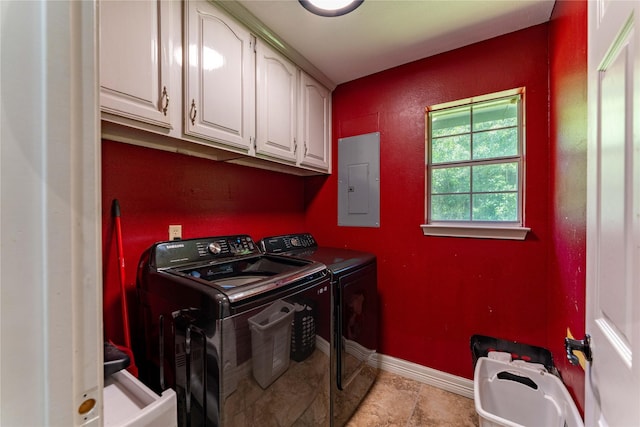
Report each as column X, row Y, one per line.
column 288, row 242
column 179, row 252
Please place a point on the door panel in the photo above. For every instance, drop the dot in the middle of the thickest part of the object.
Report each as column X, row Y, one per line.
column 613, row 237
column 613, row 215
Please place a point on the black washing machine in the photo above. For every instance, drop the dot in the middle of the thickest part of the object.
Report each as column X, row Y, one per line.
column 354, row 366
column 217, row 321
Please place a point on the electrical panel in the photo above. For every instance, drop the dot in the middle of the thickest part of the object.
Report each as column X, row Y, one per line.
column 359, row 180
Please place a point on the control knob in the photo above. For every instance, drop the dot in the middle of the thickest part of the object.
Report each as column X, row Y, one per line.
column 215, row 248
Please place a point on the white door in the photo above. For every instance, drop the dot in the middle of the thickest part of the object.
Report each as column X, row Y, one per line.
column 613, row 215
column 51, row 351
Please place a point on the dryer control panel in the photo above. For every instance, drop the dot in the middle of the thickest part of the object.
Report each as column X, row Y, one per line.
column 286, row 243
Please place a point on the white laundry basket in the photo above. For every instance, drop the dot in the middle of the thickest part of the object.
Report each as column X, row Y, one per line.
column 516, row 395
column 271, row 342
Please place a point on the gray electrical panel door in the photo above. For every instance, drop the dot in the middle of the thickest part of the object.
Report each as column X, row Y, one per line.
column 359, row 180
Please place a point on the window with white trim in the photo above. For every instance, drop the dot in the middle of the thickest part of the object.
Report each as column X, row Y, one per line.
column 475, row 164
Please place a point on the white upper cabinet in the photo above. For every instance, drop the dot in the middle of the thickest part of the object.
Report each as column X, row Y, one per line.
column 219, row 101
column 186, row 76
column 314, row 124
column 276, row 101
column 136, row 61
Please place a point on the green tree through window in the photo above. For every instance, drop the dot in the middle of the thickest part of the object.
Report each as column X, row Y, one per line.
column 474, row 162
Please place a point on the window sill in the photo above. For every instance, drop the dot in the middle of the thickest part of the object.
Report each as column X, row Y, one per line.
column 476, row 231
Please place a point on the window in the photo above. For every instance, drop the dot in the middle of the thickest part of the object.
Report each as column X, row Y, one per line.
column 475, row 167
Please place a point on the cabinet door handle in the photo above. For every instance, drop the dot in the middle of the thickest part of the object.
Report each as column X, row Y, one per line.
column 165, row 95
column 193, row 112
column 295, row 146
column 305, row 148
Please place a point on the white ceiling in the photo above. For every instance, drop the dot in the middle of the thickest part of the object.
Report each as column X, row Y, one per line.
column 382, row 34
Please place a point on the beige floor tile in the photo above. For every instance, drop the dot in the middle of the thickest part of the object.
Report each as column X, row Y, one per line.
column 390, row 402
column 397, row 401
column 439, row 408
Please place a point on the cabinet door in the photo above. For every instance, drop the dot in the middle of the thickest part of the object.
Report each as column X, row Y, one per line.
column 134, row 61
column 314, row 116
column 220, row 77
column 276, row 101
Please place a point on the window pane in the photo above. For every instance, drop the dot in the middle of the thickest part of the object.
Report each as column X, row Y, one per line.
column 450, row 207
column 495, row 114
column 451, row 148
column 495, row 207
column 451, row 180
column 452, row 121
column 494, row 178
column 495, row 143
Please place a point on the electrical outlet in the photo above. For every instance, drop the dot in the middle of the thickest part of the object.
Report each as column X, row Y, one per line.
column 175, row 232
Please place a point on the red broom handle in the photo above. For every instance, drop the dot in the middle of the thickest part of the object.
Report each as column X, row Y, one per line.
column 123, row 291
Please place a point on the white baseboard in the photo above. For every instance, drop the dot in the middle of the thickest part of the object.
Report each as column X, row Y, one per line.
column 433, row 377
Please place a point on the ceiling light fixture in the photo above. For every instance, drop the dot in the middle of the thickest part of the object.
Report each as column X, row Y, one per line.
column 330, row 7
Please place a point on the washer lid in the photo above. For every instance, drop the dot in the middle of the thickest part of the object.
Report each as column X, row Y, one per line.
column 249, row 277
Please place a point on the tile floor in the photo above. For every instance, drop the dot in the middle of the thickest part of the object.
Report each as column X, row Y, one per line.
column 398, row 401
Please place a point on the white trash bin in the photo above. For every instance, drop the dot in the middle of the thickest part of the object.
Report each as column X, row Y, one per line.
column 516, row 395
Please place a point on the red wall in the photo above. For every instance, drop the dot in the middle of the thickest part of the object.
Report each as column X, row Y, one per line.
column 568, row 136
column 157, row 188
column 437, row 292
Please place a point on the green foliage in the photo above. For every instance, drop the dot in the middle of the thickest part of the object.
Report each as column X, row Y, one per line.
column 495, row 143
column 495, row 177
column 495, row 207
column 450, row 208
column 451, row 180
column 451, row 149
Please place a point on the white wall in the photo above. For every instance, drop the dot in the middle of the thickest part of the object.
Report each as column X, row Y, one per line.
column 50, row 270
